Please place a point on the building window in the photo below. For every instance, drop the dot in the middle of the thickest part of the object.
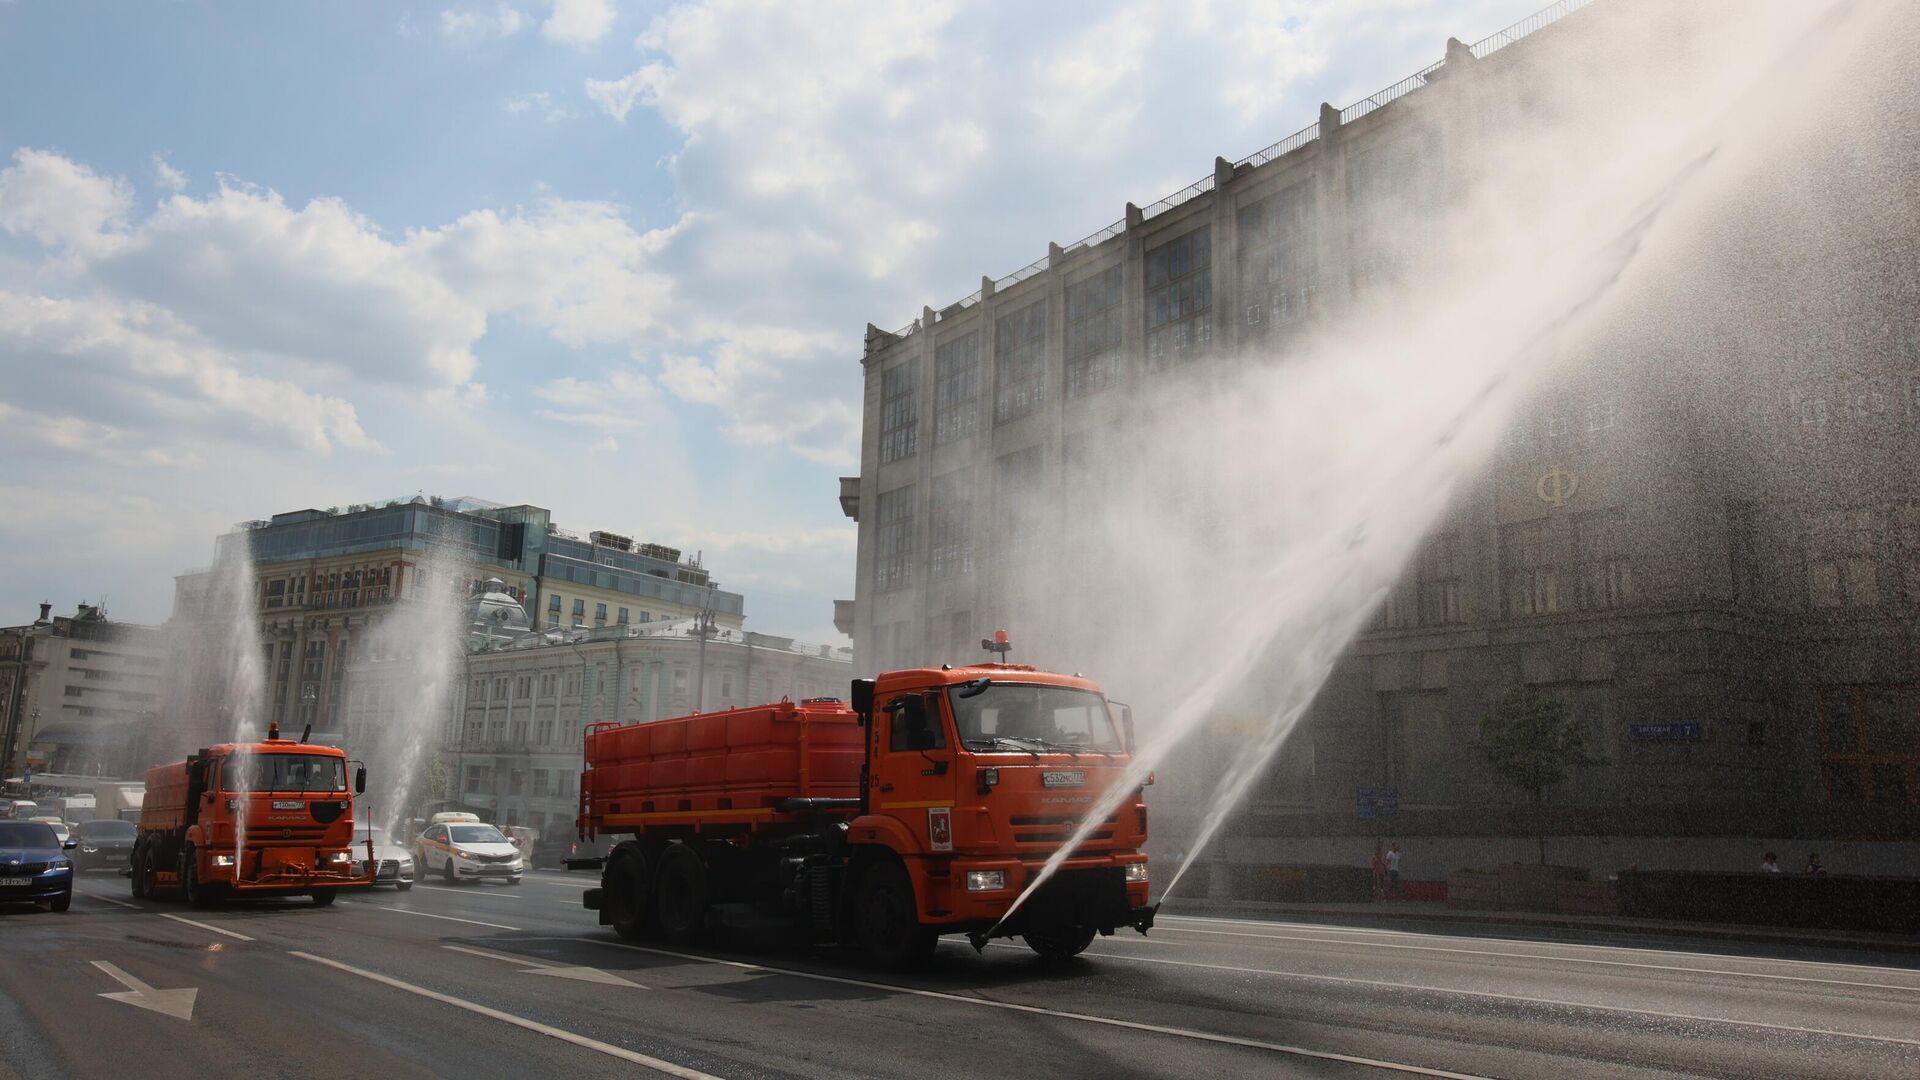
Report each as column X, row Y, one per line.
column 1529, row 570
column 1094, row 359
column 1278, row 268
column 1016, row 499
column 599, row 614
column 553, row 620
column 952, row 525
column 956, row 370
column 1602, row 569
column 1020, row 363
column 1843, row 558
column 553, row 603
column 895, row 517
column 899, row 412
column 579, row 612
column 1869, row 735
column 623, row 616
column 1180, row 298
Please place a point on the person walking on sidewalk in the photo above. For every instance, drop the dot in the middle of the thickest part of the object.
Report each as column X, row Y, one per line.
column 1770, row 864
column 1393, row 873
column 1379, row 868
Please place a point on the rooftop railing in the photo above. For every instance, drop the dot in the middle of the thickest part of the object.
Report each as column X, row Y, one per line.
column 1486, row 46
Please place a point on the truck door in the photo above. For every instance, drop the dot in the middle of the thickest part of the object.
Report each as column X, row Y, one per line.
column 913, row 775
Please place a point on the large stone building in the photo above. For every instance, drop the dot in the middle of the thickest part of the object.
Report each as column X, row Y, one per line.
column 325, row 579
column 77, row 694
column 1720, row 574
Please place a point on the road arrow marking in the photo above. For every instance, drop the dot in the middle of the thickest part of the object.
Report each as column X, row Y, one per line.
column 558, row 971
column 175, row 1003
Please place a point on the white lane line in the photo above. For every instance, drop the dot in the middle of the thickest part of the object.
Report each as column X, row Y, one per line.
column 1557, row 959
column 1089, row 1018
column 469, row 892
column 542, row 967
column 201, row 925
column 430, row 915
column 608, row 1049
column 111, row 900
column 1491, row 996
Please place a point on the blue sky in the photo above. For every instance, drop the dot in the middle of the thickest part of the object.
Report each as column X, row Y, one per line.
column 614, row 259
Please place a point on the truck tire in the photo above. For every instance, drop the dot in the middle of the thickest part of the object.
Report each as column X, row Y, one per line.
column 141, row 885
column 322, row 897
column 680, row 896
column 1059, row 944
column 628, row 893
column 887, row 921
column 191, row 889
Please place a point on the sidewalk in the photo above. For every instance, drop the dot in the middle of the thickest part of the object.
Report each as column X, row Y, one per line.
column 1402, row 913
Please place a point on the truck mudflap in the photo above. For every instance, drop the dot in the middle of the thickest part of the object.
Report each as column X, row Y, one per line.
column 1094, row 899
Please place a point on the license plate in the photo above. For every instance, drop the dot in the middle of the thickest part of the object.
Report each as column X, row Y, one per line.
column 288, row 804
column 16, row 881
column 1074, row 778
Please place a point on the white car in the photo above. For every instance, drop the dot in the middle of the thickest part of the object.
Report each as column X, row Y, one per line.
column 60, row 828
column 468, row 851
column 394, row 863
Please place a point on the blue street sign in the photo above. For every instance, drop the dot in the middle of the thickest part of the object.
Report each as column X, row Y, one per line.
column 1664, row 732
column 1376, row 802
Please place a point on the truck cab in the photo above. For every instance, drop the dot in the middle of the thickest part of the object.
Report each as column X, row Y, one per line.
column 976, row 775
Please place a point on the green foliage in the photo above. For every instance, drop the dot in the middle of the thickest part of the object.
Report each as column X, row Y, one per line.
column 1532, row 741
column 437, row 780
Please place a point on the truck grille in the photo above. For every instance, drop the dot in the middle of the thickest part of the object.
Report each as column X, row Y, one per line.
column 1053, row 829
column 285, row 835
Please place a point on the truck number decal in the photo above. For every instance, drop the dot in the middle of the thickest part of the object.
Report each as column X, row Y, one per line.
column 940, row 828
column 1065, row 778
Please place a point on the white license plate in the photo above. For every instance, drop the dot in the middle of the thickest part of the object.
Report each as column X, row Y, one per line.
column 1063, row 779
column 15, row 881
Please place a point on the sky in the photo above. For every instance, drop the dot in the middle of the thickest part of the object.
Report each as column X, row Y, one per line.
column 613, row 259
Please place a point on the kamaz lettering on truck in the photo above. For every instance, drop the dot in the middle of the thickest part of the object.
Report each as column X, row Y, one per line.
column 922, row 810
column 251, row 819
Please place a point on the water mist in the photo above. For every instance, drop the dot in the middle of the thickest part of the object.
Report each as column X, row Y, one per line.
column 408, row 662
column 1248, row 522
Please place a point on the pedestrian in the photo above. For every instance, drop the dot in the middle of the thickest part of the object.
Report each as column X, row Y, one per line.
column 1379, row 867
column 1393, row 873
column 1770, row 864
column 1813, row 864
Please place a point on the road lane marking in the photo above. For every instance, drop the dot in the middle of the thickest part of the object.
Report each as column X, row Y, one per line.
column 111, row 900
column 175, row 1003
column 1089, row 1018
column 1490, row 995
column 621, row 1052
column 431, row 915
column 558, row 971
column 201, row 925
column 470, row 892
column 1557, row 959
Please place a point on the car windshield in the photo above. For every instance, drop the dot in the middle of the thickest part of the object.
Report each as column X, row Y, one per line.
column 475, row 834
column 27, row 834
column 1013, row 716
column 288, row 772
column 362, row 832
column 105, row 830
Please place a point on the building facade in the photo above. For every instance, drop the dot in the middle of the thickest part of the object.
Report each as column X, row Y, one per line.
column 78, row 694
column 1719, row 577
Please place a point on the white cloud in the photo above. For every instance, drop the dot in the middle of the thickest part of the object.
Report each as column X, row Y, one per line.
column 167, row 176
column 614, row 403
column 578, row 22
column 58, row 202
column 539, row 104
column 468, row 27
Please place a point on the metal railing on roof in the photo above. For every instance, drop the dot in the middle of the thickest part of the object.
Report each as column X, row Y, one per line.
column 1546, row 16
column 1492, row 43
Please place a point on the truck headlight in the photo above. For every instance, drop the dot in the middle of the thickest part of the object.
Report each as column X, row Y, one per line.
column 340, row 857
column 1136, row 871
column 986, row 880
column 223, row 860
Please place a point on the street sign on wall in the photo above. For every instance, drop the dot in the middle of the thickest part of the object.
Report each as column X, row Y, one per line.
column 1376, row 802
column 1664, row 732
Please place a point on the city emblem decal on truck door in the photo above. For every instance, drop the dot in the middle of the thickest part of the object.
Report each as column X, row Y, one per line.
column 940, row 828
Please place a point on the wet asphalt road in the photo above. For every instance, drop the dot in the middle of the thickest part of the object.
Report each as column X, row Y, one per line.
column 491, row 980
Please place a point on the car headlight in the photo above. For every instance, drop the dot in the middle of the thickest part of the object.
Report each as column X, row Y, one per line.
column 223, row 860
column 405, row 860
column 62, row 867
column 986, row 880
column 468, row 855
column 340, row 857
column 89, row 849
column 1136, row 871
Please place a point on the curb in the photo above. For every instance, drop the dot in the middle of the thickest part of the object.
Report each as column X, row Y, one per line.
column 1389, row 917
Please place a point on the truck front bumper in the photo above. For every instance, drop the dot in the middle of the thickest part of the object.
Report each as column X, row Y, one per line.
column 1091, row 893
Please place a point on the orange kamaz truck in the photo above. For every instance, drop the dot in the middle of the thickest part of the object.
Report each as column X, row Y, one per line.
column 251, row 819
column 921, row 810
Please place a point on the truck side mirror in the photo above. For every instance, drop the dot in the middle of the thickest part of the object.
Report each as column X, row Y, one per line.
column 360, row 780
column 862, row 696
column 1124, row 713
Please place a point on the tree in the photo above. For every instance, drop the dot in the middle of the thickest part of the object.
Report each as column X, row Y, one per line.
column 1532, row 741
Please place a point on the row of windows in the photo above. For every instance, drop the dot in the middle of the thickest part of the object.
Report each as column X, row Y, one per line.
column 622, row 616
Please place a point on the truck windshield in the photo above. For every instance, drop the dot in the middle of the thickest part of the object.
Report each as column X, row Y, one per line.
column 1011, row 716
column 288, row 772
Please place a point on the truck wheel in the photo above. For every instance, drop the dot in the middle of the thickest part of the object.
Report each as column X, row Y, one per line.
column 322, row 897
column 680, row 896
column 141, row 884
column 191, row 889
column 888, row 924
column 1059, row 944
column 629, row 893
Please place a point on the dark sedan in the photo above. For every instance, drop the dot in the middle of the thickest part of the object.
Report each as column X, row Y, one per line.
column 34, row 869
column 106, row 844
